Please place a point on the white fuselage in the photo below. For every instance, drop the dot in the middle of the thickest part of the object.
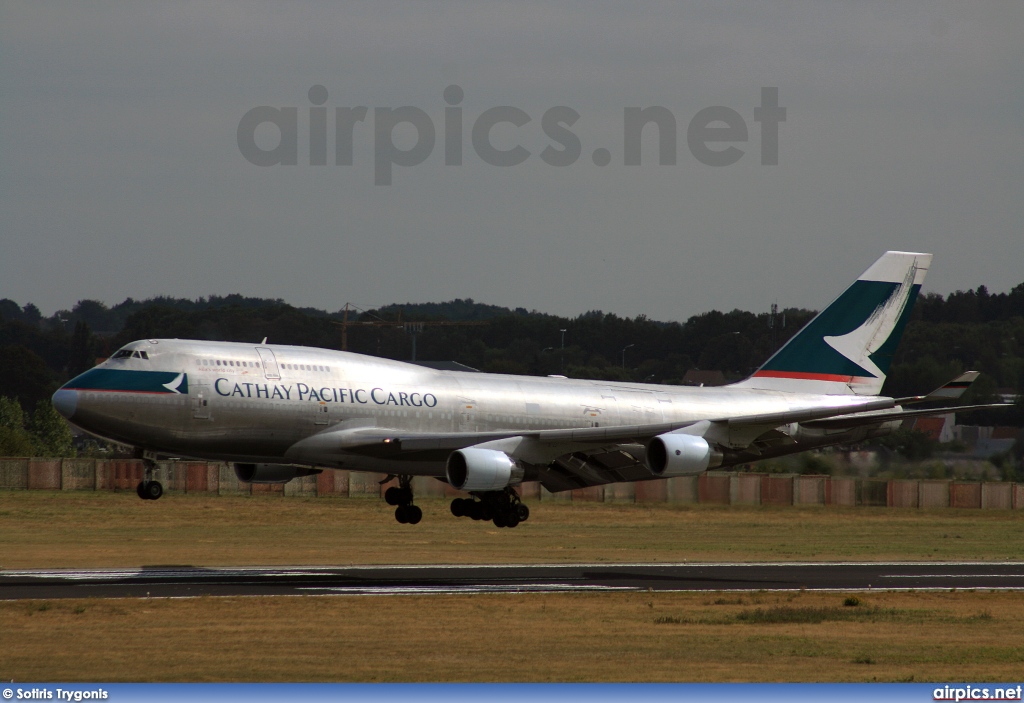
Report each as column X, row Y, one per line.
column 246, row 402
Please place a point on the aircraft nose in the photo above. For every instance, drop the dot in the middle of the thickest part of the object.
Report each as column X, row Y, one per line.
column 65, row 402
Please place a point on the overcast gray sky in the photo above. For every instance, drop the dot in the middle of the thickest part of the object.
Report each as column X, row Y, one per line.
column 121, row 175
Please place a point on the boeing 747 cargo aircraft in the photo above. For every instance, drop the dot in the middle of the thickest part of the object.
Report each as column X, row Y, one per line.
column 279, row 412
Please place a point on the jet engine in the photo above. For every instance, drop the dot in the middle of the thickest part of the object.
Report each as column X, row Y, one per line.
column 477, row 469
column 271, row 473
column 680, row 455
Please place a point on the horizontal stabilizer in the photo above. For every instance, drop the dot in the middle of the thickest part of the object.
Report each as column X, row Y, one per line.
column 951, row 391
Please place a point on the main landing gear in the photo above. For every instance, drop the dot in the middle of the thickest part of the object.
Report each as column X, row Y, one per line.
column 504, row 508
column 401, row 496
column 149, row 488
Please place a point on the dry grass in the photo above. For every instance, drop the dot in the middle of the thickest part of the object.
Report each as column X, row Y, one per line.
column 40, row 529
column 535, row 637
column 925, row 636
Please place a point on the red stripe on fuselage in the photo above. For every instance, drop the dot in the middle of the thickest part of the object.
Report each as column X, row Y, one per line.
column 117, row 390
column 804, row 376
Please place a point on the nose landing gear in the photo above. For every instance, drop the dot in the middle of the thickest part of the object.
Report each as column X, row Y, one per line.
column 503, row 508
column 401, row 496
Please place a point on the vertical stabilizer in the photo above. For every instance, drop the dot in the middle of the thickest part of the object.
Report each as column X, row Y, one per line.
column 848, row 347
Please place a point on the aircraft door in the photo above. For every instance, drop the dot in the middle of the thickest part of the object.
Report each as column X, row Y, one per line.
column 270, row 368
column 200, row 393
column 466, row 415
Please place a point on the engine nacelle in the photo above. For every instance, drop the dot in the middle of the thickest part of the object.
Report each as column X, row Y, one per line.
column 271, row 473
column 680, row 455
column 477, row 469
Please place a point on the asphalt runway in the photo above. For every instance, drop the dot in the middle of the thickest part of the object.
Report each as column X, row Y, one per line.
column 187, row 581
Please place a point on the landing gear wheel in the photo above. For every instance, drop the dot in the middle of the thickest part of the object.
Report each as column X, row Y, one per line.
column 459, row 507
column 401, row 496
column 522, row 513
column 140, row 490
column 153, row 490
column 500, row 520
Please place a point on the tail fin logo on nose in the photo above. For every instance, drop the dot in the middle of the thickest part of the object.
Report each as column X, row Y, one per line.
column 862, row 343
column 174, row 385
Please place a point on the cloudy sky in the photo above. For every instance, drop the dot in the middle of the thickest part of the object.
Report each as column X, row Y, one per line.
column 121, row 172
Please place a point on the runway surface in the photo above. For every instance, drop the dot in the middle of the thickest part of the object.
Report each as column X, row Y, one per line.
column 187, row 581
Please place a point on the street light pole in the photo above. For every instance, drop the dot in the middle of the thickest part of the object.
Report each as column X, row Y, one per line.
column 624, row 354
column 561, row 362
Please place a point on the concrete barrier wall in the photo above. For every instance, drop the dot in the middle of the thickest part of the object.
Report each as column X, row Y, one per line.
column 228, row 483
column 842, row 491
column 14, row 474
column 44, row 474
column 809, row 490
column 933, row 494
column 874, row 492
column 745, row 489
column 904, row 494
column 530, row 490
column 997, row 496
column 620, row 493
column 683, row 489
column 559, row 497
column 78, row 475
column 652, row 491
column 593, row 494
column 712, row 487
column 777, row 490
column 301, row 486
column 363, row 485
column 964, row 495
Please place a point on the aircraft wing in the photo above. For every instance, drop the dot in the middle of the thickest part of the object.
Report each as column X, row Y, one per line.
column 547, row 445
column 590, row 456
column 844, row 421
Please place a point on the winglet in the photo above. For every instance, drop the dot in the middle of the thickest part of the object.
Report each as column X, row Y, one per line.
column 951, row 391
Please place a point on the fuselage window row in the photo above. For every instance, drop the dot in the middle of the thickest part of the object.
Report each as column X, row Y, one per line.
column 236, row 363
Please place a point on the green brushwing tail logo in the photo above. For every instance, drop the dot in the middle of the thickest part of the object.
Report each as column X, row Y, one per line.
column 855, row 337
column 868, row 345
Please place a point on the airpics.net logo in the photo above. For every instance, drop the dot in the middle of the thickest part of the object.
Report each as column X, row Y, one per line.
column 712, row 134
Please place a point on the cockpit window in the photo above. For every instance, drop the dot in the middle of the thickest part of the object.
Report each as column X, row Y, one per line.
column 130, row 354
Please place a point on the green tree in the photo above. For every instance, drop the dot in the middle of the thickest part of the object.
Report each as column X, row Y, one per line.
column 25, row 375
column 82, row 355
column 50, row 432
column 14, row 439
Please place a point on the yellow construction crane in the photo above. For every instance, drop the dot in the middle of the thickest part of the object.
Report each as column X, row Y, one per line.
column 413, row 328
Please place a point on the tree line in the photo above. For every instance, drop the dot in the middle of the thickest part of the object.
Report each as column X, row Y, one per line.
column 948, row 334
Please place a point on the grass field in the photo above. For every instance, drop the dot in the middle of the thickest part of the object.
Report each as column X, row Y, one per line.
column 43, row 529
column 40, row 529
column 888, row 636
column 535, row 637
